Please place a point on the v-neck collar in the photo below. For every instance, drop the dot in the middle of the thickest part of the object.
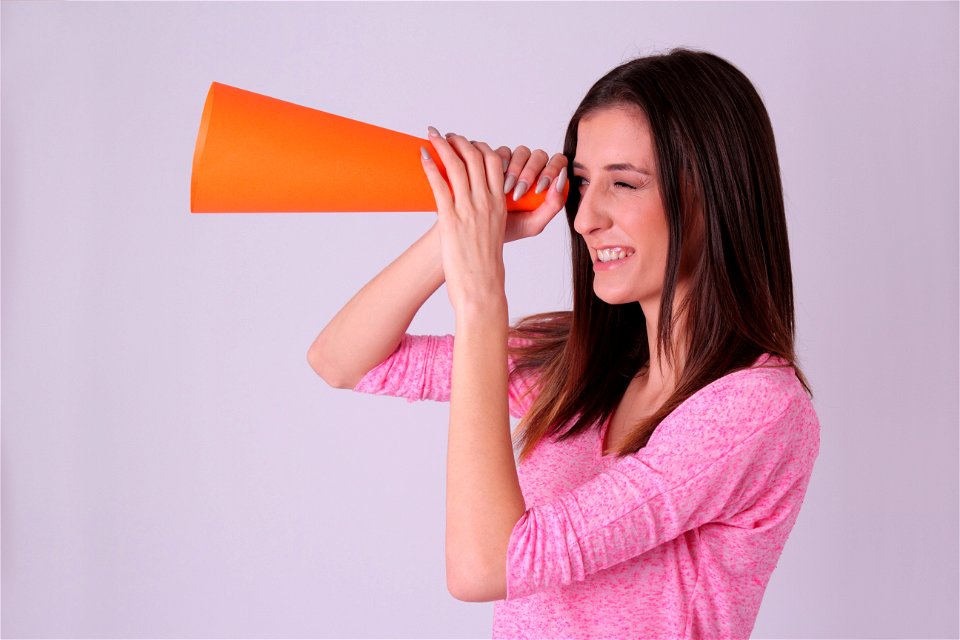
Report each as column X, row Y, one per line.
column 605, row 425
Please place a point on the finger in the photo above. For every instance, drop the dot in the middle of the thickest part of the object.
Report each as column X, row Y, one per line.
column 518, row 159
column 439, row 186
column 550, row 172
column 472, row 158
column 504, row 153
column 531, row 170
column 553, row 203
column 456, row 171
column 494, row 165
column 553, row 198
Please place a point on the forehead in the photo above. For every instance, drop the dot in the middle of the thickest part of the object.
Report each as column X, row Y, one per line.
column 614, row 134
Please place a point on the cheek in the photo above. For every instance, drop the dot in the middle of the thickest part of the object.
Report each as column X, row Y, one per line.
column 651, row 236
column 653, row 244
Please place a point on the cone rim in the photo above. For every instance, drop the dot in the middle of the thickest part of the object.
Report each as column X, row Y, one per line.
column 200, row 145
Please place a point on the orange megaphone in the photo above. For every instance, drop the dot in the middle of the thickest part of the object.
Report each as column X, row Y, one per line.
column 255, row 153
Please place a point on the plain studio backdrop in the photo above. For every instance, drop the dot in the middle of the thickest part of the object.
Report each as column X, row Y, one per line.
column 172, row 466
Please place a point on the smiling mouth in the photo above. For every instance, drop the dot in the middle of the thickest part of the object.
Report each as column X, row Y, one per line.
column 615, row 254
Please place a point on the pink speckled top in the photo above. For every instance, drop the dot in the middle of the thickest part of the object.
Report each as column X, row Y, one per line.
column 675, row 541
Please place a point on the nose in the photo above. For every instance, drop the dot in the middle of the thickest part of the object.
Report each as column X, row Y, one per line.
column 590, row 217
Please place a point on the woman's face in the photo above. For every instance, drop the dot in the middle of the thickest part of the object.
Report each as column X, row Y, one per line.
column 620, row 208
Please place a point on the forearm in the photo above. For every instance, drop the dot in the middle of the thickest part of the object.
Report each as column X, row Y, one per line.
column 370, row 326
column 484, row 500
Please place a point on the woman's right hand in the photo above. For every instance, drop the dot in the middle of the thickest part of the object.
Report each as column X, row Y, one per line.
column 530, row 167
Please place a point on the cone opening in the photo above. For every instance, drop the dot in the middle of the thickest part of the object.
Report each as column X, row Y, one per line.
column 201, row 142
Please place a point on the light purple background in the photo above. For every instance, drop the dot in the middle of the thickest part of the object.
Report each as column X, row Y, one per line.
column 173, row 467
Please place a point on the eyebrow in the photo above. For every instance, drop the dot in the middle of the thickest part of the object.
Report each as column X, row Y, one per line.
column 620, row 166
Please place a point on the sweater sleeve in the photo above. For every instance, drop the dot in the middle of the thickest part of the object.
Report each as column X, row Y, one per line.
column 421, row 369
column 735, row 453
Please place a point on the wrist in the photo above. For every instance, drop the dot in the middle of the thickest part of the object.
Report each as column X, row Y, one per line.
column 487, row 310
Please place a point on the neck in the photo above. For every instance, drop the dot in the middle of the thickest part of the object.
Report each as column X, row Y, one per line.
column 661, row 375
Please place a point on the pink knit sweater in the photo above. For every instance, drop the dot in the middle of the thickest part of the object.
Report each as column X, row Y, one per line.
column 675, row 541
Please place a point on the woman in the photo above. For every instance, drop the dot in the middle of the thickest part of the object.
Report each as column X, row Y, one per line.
column 668, row 434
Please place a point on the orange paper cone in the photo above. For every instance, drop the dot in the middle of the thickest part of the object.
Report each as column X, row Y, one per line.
column 255, row 153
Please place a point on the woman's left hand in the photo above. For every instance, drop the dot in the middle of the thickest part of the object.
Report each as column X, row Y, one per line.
column 471, row 220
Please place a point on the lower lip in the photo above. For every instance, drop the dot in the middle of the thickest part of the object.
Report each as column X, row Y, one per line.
column 607, row 266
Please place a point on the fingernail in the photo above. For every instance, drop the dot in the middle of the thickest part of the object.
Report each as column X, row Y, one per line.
column 542, row 184
column 520, row 190
column 511, row 180
column 424, row 153
column 433, row 132
column 506, row 163
column 562, row 179
column 449, row 134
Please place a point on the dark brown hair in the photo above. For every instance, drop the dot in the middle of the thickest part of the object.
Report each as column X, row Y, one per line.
column 715, row 158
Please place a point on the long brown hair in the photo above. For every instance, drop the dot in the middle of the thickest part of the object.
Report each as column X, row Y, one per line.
column 715, row 158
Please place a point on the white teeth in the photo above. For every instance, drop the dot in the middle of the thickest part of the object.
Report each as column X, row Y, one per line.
column 606, row 255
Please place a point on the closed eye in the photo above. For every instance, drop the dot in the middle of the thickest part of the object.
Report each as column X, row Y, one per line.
column 581, row 181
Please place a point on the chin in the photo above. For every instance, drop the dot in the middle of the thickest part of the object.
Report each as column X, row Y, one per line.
column 615, row 297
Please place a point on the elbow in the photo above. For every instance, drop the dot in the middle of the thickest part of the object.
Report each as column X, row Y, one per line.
column 463, row 591
column 474, row 586
column 473, row 594
column 330, row 375
column 453, row 588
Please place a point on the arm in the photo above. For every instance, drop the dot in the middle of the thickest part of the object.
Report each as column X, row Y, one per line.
column 484, row 500
column 370, row 326
column 422, row 367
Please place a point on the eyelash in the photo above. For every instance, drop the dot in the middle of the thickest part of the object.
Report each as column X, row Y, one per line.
column 579, row 182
